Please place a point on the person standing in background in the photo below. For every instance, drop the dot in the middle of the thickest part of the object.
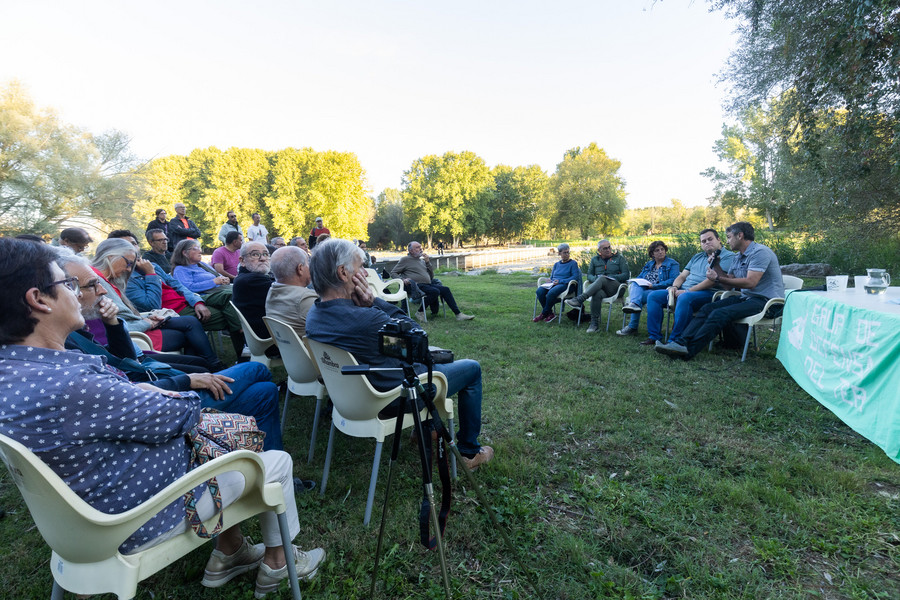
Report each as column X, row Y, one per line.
column 230, row 225
column 257, row 232
column 182, row 228
column 318, row 230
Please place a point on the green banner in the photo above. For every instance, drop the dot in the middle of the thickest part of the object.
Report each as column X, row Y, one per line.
column 848, row 358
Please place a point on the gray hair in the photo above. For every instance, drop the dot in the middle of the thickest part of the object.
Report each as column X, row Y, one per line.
column 284, row 262
column 327, row 257
column 250, row 247
column 562, row 247
column 603, row 240
column 108, row 251
column 65, row 256
column 409, row 246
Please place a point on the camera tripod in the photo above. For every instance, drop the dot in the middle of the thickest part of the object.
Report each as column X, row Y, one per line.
column 412, row 391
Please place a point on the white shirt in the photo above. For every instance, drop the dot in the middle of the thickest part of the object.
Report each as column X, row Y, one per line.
column 258, row 233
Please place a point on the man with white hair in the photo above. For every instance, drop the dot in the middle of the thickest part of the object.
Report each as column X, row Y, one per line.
column 416, row 266
column 290, row 298
column 349, row 316
column 182, row 228
column 252, row 285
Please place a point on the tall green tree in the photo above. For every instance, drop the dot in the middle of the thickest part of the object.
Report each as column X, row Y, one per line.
column 448, row 194
column 516, row 201
column 52, row 172
column 386, row 229
column 588, row 192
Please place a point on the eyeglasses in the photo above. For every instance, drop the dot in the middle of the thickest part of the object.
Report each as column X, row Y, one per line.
column 128, row 263
column 94, row 283
column 257, row 254
column 70, row 283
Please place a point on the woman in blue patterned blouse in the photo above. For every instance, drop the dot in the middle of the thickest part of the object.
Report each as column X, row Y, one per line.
column 114, row 443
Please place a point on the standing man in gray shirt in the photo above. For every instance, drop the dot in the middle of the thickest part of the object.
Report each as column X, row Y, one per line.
column 230, row 225
column 755, row 271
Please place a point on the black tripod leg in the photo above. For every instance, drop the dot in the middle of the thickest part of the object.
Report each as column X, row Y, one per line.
column 445, row 435
column 395, row 452
column 429, row 489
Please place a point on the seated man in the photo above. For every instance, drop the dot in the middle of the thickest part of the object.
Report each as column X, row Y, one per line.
column 349, row 316
column 75, row 238
column 278, row 242
column 252, row 285
column 755, row 271
column 226, row 259
column 141, row 426
column 251, row 391
column 416, row 267
column 290, row 298
column 605, row 273
column 158, row 253
column 691, row 288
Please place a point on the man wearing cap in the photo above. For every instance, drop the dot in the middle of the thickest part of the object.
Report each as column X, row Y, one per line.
column 318, row 230
column 75, row 238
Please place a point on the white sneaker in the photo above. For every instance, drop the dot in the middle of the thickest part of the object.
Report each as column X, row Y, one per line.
column 631, row 308
column 464, row 317
column 420, row 316
column 627, row 330
column 593, row 328
column 268, row 579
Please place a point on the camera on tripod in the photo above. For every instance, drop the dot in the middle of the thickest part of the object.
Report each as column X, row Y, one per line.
column 405, row 341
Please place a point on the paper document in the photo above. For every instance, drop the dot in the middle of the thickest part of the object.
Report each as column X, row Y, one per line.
column 547, row 285
column 641, row 282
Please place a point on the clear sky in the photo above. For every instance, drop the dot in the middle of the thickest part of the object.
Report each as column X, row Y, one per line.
column 516, row 82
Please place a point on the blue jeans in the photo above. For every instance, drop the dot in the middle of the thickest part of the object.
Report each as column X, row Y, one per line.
column 687, row 303
column 549, row 297
column 637, row 295
column 252, row 394
column 464, row 381
column 713, row 318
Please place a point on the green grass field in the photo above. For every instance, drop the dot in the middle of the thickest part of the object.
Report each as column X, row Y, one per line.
column 619, row 473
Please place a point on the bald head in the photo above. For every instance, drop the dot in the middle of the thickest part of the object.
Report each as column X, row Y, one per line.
column 290, row 266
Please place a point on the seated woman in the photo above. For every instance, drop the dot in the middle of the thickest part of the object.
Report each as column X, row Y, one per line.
column 113, row 262
column 41, row 307
column 563, row 272
column 658, row 274
column 198, row 277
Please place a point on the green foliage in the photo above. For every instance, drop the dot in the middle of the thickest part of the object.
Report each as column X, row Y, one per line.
column 52, row 172
column 386, row 229
column 447, row 194
column 588, row 193
column 288, row 188
column 517, row 202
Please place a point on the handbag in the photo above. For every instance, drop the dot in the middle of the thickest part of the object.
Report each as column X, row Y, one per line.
column 216, row 434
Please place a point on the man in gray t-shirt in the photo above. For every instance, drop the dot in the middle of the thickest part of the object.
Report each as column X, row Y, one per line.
column 755, row 271
column 691, row 289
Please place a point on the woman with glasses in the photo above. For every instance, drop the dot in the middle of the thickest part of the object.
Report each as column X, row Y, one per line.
column 658, row 274
column 215, row 289
column 114, row 262
column 130, row 444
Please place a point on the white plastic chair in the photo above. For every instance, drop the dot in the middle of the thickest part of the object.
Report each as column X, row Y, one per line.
column 257, row 345
column 570, row 292
column 303, row 374
column 143, row 341
column 356, row 408
column 380, row 288
column 760, row 320
column 84, row 541
column 619, row 297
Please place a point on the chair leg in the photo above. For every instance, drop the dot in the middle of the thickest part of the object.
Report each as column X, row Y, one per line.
column 422, row 309
column 287, row 396
column 289, row 554
column 608, row 316
column 534, row 312
column 376, row 462
column 452, row 455
column 750, row 330
column 57, row 592
column 312, row 437
column 327, row 467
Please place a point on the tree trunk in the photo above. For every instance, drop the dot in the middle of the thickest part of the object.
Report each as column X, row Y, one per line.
column 769, row 220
